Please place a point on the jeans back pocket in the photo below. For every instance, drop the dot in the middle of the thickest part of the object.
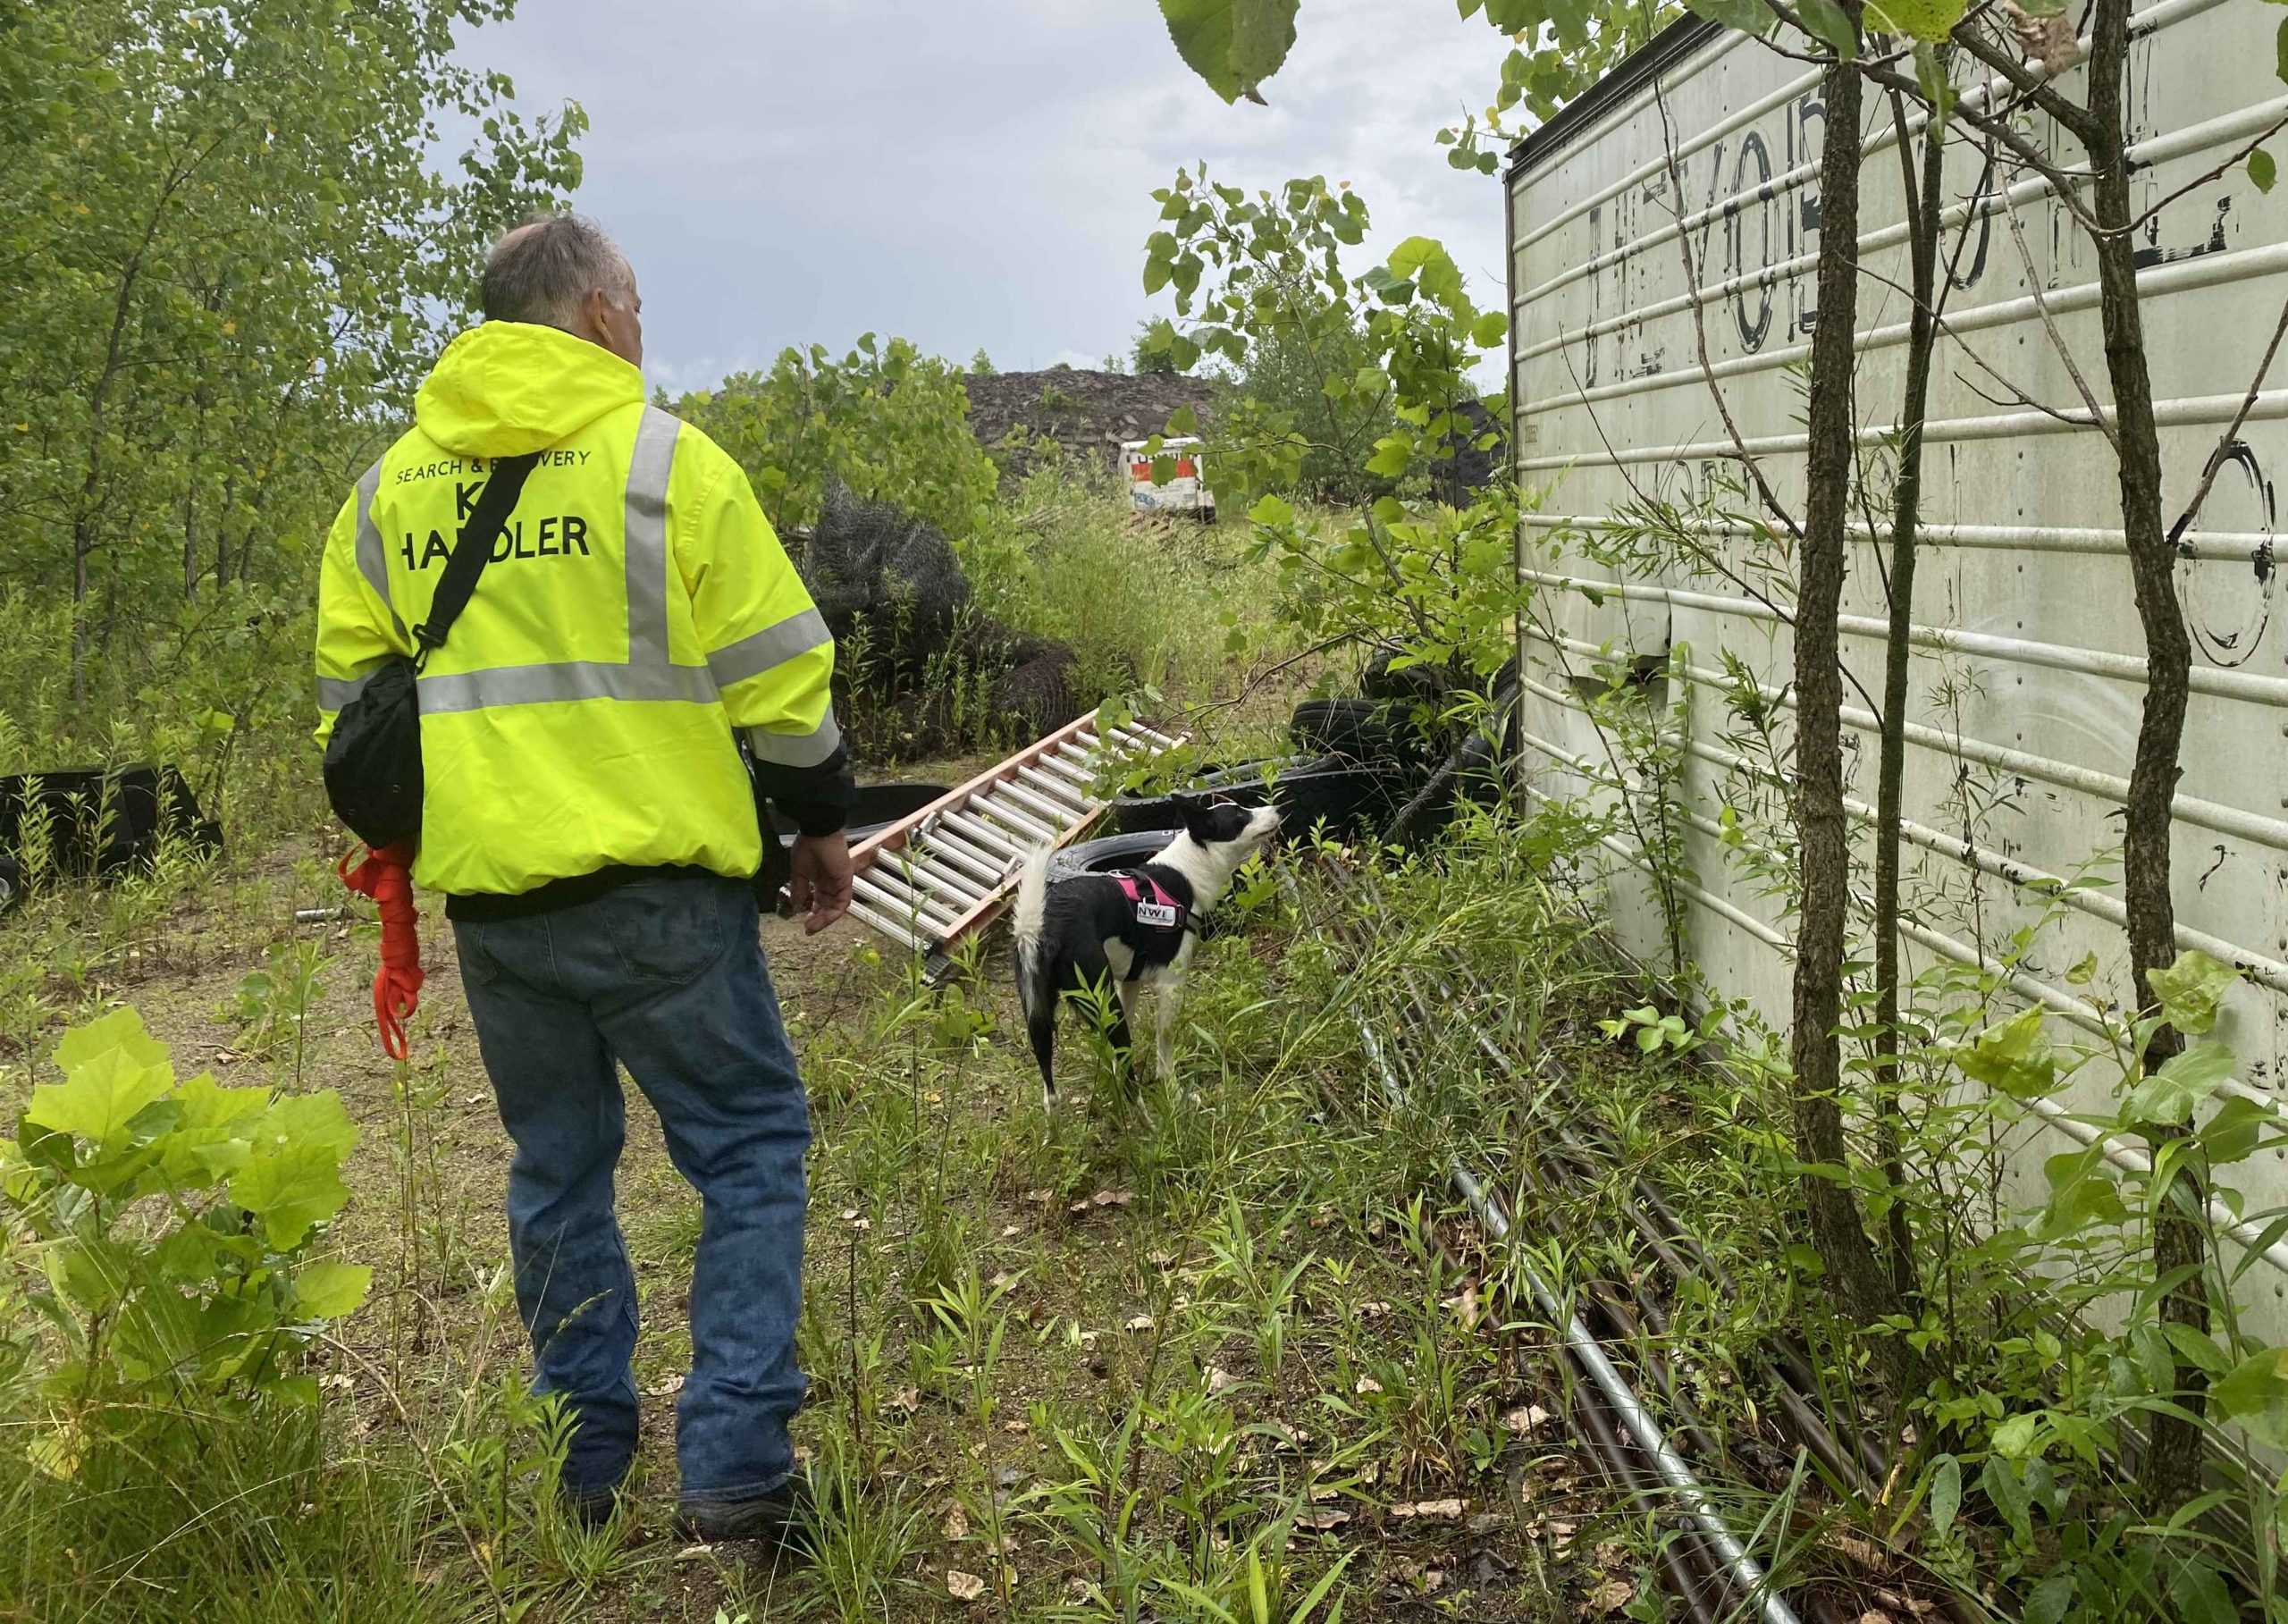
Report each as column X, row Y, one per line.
column 667, row 932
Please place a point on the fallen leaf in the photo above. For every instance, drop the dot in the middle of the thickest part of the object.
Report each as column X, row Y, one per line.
column 1436, row 1510
column 1321, row 1522
column 1863, row 1551
column 1464, row 1303
column 1114, row 1198
column 673, row 1383
column 1324, row 1217
column 1609, row 1597
column 1011, row 1230
column 907, row 1399
column 1373, row 1309
column 1016, row 1429
column 1040, row 1198
column 1143, row 1322
column 1159, row 1258
column 1218, row 1379
column 964, row 1586
column 1368, row 1384
column 956, row 1523
column 1524, row 1418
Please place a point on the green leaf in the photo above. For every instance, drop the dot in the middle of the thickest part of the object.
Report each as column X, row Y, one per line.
column 2256, row 1396
column 213, row 1130
column 1832, row 25
column 291, row 1189
column 112, row 1069
column 2169, row 1094
column 2016, row 1436
column 2280, row 52
column 1392, row 453
column 2013, row 1056
column 2082, row 1192
column 1489, row 330
column 2237, row 1130
column 2262, row 171
column 1938, row 86
column 331, row 1291
column 1945, row 1494
column 1183, row 420
column 310, row 1119
column 1929, row 21
column 1233, row 45
column 1748, row 16
column 2008, row 1493
column 2191, row 990
column 2048, row 1602
column 291, row 1179
column 2199, row 1595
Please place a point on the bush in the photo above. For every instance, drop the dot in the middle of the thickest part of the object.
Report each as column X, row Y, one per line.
column 173, row 1231
column 891, row 422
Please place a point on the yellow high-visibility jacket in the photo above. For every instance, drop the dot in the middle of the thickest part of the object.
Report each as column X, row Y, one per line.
column 636, row 610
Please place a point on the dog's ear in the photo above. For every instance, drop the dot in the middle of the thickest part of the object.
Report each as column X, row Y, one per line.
column 1199, row 819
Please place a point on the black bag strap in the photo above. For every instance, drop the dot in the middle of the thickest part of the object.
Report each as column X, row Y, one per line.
column 473, row 547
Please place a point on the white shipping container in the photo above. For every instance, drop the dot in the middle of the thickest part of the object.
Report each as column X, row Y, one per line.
column 2027, row 678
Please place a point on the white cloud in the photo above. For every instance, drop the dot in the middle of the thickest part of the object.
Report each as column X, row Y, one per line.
column 968, row 175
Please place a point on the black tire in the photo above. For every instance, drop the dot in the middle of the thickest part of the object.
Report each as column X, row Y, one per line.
column 1243, row 783
column 1350, row 726
column 1368, row 730
column 1105, row 855
column 1345, row 793
column 1408, row 685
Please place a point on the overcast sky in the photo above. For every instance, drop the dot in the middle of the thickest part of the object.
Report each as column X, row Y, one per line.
column 967, row 173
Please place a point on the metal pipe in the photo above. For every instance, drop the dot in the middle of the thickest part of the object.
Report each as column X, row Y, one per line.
column 1634, row 1418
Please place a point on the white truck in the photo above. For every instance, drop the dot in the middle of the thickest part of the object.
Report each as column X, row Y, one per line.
column 1184, row 491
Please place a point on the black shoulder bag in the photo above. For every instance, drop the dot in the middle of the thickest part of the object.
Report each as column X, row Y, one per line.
column 373, row 760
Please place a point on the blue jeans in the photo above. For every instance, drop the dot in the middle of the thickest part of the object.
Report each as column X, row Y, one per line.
column 666, row 976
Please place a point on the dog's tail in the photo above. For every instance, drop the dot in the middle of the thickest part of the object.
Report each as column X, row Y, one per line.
column 1035, row 990
column 1025, row 926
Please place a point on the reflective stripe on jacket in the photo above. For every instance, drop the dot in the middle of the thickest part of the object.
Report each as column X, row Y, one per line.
column 636, row 610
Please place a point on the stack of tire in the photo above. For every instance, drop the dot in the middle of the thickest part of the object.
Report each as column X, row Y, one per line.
column 1375, row 766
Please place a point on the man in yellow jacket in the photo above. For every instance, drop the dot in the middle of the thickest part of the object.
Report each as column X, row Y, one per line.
column 639, row 661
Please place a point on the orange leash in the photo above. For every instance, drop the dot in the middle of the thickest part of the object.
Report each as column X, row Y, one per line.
column 386, row 877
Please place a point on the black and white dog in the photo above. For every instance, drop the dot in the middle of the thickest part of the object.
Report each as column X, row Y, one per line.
column 1124, row 928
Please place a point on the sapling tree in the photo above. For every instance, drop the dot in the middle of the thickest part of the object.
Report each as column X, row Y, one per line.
column 1394, row 350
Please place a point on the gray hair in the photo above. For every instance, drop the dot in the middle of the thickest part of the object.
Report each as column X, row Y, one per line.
column 544, row 269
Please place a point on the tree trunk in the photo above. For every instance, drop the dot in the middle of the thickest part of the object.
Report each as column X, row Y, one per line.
column 1823, row 845
column 1925, row 202
column 2173, row 1467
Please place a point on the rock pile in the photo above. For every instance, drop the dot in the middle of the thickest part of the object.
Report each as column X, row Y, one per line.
column 1088, row 414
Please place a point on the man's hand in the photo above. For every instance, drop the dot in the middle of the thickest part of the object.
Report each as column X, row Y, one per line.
column 821, row 884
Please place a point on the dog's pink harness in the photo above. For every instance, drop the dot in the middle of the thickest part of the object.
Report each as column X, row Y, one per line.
column 1155, row 910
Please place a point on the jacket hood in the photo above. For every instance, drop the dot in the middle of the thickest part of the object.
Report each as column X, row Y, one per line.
column 506, row 388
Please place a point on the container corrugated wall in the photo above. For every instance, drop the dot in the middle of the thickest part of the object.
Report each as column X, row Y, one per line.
column 2028, row 657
